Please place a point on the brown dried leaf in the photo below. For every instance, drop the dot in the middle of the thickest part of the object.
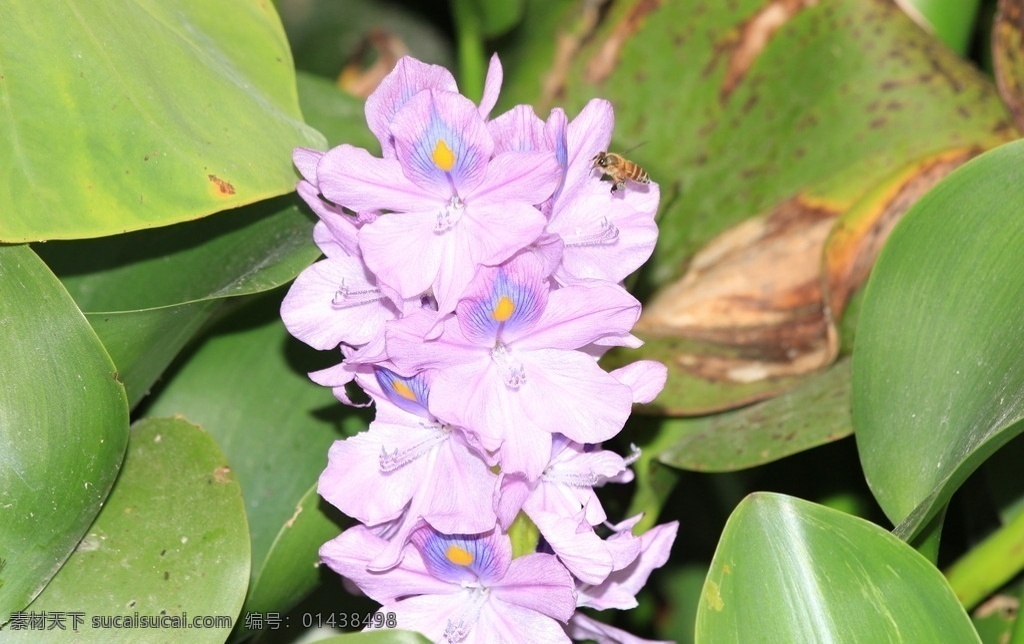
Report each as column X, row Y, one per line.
column 755, row 291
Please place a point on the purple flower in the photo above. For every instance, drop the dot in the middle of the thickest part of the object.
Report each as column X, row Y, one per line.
column 453, row 205
column 584, row 627
column 506, row 366
column 462, row 588
column 408, row 467
column 620, row 588
column 605, row 236
column 563, row 506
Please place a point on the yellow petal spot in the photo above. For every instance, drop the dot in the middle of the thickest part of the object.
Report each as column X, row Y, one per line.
column 403, row 390
column 443, row 156
column 458, row 556
column 504, row 309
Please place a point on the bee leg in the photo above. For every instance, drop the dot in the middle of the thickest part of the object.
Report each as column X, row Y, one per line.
column 618, row 185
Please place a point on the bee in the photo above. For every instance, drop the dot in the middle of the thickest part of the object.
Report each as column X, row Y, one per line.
column 619, row 169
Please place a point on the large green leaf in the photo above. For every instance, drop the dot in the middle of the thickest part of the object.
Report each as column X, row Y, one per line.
column 171, row 540
column 275, row 426
column 130, row 114
column 147, row 292
column 63, row 426
column 788, row 570
column 755, row 108
column 814, row 413
column 938, row 379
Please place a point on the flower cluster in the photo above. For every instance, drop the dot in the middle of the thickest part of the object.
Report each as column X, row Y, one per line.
column 472, row 277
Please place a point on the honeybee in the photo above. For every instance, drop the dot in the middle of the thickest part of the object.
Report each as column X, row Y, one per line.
column 619, row 169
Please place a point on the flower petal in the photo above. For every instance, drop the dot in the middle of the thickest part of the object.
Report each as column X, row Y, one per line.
column 580, row 314
column 442, row 143
column 353, row 178
column 646, row 378
column 349, row 553
column 408, row 78
column 492, row 87
column 521, row 177
column 589, row 133
column 306, row 159
column 334, row 301
column 518, row 130
column 403, row 252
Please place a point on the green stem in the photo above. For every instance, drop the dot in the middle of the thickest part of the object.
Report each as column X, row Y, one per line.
column 990, row 564
column 470, row 43
column 927, row 541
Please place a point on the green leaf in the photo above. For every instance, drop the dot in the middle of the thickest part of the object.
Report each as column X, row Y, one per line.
column 339, row 115
column 938, row 379
column 788, row 570
column 147, row 292
column 63, row 427
column 171, row 540
column 814, row 413
column 290, row 568
column 132, row 114
column 275, row 426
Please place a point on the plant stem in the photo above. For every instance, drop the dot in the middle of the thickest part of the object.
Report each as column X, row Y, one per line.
column 470, row 43
column 990, row 564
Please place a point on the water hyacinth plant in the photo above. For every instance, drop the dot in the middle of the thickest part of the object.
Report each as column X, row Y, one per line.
column 511, row 320
column 446, row 287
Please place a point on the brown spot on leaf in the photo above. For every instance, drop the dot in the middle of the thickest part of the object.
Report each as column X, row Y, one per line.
column 602, row 64
column 290, row 522
column 754, row 291
column 753, row 37
column 222, row 474
column 223, row 188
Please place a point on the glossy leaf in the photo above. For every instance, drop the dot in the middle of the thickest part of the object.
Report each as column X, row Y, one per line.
column 103, row 141
column 788, row 570
column 147, row 292
column 291, row 567
column 814, row 413
column 171, row 540
column 938, row 381
column 63, row 426
column 275, row 426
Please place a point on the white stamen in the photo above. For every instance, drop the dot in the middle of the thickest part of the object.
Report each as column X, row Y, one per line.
column 606, row 233
column 512, row 371
column 450, row 215
column 345, row 297
column 391, row 461
column 563, row 476
column 634, row 454
column 458, row 629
